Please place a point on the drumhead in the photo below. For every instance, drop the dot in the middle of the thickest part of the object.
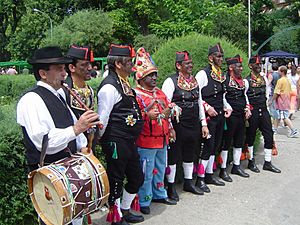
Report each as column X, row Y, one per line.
column 47, row 199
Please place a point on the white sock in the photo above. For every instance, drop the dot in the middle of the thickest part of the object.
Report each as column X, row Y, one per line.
column 118, row 204
column 210, row 165
column 171, row 176
column 224, row 155
column 237, row 156
column 250, row 150
column 188, row 170
column 204, row 164
column 268, row 155
column 127, row 200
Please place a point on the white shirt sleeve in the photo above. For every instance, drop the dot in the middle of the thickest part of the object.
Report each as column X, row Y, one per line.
column 168, row 88
column 202, row 80
column 108, row 96
column 201, row 110
column 33, row 114
column 246, row 89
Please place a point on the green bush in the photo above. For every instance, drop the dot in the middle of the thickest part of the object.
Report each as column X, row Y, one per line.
column 12, row 87
column 197, row 45
column 15, row 204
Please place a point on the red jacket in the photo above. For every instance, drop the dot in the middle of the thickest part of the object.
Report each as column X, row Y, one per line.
column 153, row 134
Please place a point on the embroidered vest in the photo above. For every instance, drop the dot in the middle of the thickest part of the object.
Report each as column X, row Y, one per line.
column 125, row 119
column 256, row 95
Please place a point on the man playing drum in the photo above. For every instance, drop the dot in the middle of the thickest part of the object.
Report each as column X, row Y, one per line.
column 43, row 114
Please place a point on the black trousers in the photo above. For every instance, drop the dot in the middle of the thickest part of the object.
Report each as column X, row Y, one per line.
column 122, row 160
column 235, row 132
column 186, row 144
column 260, row 119
column 212, row 145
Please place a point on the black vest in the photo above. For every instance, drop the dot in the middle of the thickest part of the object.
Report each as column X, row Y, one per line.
column 62, row 118
column 213, row 92
column 236, row 98
column 256, row 95
column 188, row 101
column 127, row 108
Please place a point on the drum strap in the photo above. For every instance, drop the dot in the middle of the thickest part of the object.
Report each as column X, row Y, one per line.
column 43, row 150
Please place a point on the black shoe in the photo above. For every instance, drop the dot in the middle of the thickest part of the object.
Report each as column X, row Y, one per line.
column 190, row 187
column 166, row 201
column 210, row 179
column 172, row 194
column 122, row 222
column 236, row 169
column 252, row 166
column 224, row 175
column 145, row 209
column 201, row 185
column 269, row 166
column 131, row 218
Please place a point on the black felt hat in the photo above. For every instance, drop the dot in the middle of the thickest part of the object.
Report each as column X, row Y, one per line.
column 121, row 50
column 182, row 56
column 215, row 49
column 82, row 53
column 48, row 55
column 234, row 60
column 254, row 60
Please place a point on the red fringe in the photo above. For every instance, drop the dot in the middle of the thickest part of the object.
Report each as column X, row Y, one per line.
column 214, row 166
column 274, row 150
column 200, row 169
column 168, row 170
column 113, row 215
column 89, row 219
column 220, row 160
column 135, row 205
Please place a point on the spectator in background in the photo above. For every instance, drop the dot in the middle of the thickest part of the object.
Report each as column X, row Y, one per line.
column 298, row 87
column 293, row 78
column 273, row 80
column 12, row 71
column 25, row 71
column 95, row 72
column 105, row 73
column 282, row 97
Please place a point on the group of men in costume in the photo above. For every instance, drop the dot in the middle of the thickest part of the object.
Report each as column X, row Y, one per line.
column 147, row 131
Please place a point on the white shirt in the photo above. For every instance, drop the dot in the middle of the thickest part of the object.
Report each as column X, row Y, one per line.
column 168, row 88
column 108, row 96
column 32, row 113
column 202, row 80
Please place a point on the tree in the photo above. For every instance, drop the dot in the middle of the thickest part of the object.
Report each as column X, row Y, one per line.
column 86, row 27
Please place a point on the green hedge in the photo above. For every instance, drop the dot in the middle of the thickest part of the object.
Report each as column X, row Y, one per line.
column 197, row 45
column 15, row 204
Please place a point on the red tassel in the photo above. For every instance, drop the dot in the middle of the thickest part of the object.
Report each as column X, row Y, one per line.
column 214, row 166
column 243, row 156
column 135, row 205
column 220, row 160
column 155, row 171
column 200, row 169
column 274, row 149
column 113, row 215
column 168, row 170
column 89, row 219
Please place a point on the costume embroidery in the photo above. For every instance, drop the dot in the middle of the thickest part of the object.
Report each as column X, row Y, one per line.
column 85, row 94
column 126, row 86
column 130, row 121
column 187, row 84
column 257, row 81
column 236, row 83
column 217, row 74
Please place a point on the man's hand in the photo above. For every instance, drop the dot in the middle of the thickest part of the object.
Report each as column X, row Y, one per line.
column 153, row 114
column 227, row 112
column 172, row 135
column 205, row 131
column 86, row 120
column 85, row 150
column 166, row 112
column 212, row 112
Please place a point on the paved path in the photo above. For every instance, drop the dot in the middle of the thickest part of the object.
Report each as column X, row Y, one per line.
column 263, row 199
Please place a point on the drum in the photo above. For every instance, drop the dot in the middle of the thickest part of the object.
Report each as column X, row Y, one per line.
column 68, row 189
